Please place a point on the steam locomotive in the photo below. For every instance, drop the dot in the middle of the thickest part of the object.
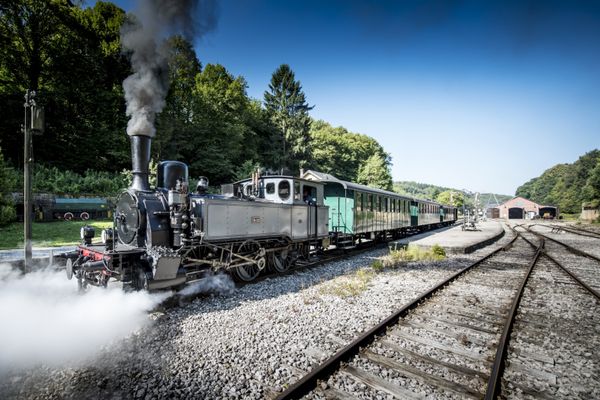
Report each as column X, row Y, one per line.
column 168, row 236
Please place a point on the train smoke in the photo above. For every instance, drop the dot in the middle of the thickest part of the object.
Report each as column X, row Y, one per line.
column 144, row 37
column 45, row 321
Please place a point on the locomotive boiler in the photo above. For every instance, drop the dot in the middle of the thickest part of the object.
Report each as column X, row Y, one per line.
column 166, row 236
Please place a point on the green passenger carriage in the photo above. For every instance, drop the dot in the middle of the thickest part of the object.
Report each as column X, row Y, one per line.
column 361, row 212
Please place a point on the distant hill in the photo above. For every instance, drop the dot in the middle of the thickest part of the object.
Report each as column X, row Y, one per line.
column 430, row 192
column 566, row 185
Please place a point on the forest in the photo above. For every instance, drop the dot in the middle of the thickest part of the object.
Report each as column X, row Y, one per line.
column 567, row 186
column 72, row 57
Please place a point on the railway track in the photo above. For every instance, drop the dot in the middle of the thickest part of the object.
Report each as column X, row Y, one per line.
column 450, row 341
column 553, row 352
column 573, row 229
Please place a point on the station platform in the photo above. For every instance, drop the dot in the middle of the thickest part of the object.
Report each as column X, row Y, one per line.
column 454, row 240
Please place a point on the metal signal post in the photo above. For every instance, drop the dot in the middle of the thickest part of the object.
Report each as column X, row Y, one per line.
column 34, row 124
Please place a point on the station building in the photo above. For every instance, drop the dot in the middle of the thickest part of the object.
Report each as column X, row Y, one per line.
column 521, row 208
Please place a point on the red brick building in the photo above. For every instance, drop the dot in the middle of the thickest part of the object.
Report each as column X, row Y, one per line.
column 519, row 208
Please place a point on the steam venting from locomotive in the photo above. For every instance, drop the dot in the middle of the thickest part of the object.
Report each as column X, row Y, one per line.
column 143, row 36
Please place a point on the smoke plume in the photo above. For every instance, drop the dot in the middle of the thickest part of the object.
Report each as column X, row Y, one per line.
column 144, row 37
column 45, row 321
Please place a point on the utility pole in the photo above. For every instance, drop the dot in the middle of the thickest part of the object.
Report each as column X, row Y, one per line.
column 34, row 124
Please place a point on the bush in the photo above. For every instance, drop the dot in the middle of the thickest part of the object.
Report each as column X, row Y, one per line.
column 438, row 251
column 377, row 265
column 414, row 253
column 8, row 213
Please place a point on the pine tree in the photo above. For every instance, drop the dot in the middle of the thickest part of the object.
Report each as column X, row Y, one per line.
column 286, row 104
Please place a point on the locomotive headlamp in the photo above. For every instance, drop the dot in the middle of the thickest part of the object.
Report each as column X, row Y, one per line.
column 87, row 234
column 107, row 236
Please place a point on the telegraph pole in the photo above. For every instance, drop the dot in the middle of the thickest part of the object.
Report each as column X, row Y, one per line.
column 34, row 124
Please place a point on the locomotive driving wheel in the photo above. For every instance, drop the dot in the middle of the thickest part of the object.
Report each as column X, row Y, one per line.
column 280, row 261
column 250, row 249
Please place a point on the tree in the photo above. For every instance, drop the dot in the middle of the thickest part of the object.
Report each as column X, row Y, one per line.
column 219, row 125
column 176, row 123
column 286, row 103
column 72, row 57
column 451, row 198
column 592, row 188
column 375, row 172
column 564, row 185
column 341, row 152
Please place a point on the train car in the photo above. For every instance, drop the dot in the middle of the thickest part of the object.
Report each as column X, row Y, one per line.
column 82, row 208
column 360, row 212
column 49, row 207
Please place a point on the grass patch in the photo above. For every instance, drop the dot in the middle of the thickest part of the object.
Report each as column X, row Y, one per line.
column 350, row 285
column 414, row 253
column 46, row 234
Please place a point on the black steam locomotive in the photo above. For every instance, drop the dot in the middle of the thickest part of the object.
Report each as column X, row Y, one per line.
column 167, row 236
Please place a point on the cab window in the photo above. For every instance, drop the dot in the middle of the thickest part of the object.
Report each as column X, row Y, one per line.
column 297, row 191
column 270, row 188
column 283, row 190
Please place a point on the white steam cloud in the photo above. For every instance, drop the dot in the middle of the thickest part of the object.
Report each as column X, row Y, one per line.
column 217, row 284
column 144, row 36
column 45, row 321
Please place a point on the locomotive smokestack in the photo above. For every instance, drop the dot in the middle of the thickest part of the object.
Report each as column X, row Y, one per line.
column 143, row 36
column 140, row 161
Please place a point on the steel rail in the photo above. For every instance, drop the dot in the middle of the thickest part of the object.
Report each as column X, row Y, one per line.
column 582, row 283
column 576, row 231
column 332, row 364
column 494, row 382
column 570, row 248
column 594, row 292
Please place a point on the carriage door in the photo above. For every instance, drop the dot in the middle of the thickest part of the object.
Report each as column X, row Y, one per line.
column 309, row 196
column 414, row 213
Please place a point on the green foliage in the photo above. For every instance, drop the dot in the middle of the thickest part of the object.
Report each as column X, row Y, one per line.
column 375, row 172
column 72, row 57
column 451, row 198
column 566, row 185
column 287, row 107
column 414, row 253
column 66, row 182
column 377, row 265
column 7, row 182
column 439, row 251
column 340, row 152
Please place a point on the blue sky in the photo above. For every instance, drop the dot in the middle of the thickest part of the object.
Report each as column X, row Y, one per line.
column 480, row 95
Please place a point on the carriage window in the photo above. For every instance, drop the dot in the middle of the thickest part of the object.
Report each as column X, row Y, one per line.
column 370, row 202
column 248, row 190
column 270, row 188
column 284, row 190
